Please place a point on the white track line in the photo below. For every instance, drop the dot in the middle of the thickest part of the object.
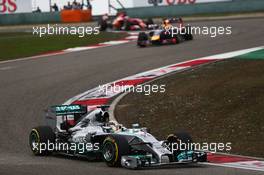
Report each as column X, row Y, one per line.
column 233, row 165
column 233, row 54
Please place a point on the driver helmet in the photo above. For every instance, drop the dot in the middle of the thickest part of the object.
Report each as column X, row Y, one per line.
column 166, row 24
column 102, row 117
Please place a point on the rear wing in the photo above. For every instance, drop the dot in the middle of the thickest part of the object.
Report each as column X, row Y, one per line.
column 176, row 20
column 64, row 116
column 68, row 110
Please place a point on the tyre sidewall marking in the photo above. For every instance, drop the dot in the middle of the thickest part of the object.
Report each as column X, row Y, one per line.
column 110, row 139
column 34, row 131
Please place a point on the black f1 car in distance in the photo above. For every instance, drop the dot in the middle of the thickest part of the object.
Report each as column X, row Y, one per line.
column 70, row 129
column 172, row 31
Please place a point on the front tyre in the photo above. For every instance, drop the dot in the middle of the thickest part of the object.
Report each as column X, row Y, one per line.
column 185, row 137
column 175, row 142
column 114, row 147
column 142, row 39
column 39, row 140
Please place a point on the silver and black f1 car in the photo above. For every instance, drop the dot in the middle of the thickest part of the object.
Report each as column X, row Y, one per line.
column 172, row 31
column 70, row 130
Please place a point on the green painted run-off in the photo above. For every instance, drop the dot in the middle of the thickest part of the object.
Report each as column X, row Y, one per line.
column 253, row 55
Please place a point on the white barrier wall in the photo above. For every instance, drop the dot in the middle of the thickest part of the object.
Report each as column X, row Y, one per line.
column 101, row 6
column 15, row 6
column 146, row 3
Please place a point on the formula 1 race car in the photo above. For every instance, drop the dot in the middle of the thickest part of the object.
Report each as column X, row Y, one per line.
column 123, row 22
column 71, row 130
column 171, row 32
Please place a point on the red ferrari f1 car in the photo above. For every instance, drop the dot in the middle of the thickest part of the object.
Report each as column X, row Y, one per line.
column 124, row 22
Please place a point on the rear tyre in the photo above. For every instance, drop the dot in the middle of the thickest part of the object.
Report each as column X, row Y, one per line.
column 114, row 147
column 127, row 26
column 150, row 24
column 188, row 34
column 178, row 39
column 142, row 39
column 39, row 138
column 149, row 21
column 102, row 25
column 188, row 37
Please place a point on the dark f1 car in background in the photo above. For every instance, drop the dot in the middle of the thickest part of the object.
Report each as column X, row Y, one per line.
column 172, row 31
column 124, row 22
column 71, row 126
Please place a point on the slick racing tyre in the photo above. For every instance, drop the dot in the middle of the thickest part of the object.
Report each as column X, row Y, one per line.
column 39, row 138
column 184, row 137
column 114, row 147
column 188, row 37
column 178, row 38
column 188, row 34
column 149, row 21
column 142, row 39
column 173, row 142
column 102, row 25
column 150, row 24
column 127, row 26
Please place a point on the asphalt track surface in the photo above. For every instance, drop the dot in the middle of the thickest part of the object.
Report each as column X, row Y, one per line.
column 28, row 87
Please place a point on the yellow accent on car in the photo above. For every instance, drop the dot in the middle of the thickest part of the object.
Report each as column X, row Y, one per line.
column 155, row 37
column 116, row 155
column 116, row 147
column 34, row 130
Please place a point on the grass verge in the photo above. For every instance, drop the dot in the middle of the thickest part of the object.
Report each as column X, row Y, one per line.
column 18, row 45
column 218, row 103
